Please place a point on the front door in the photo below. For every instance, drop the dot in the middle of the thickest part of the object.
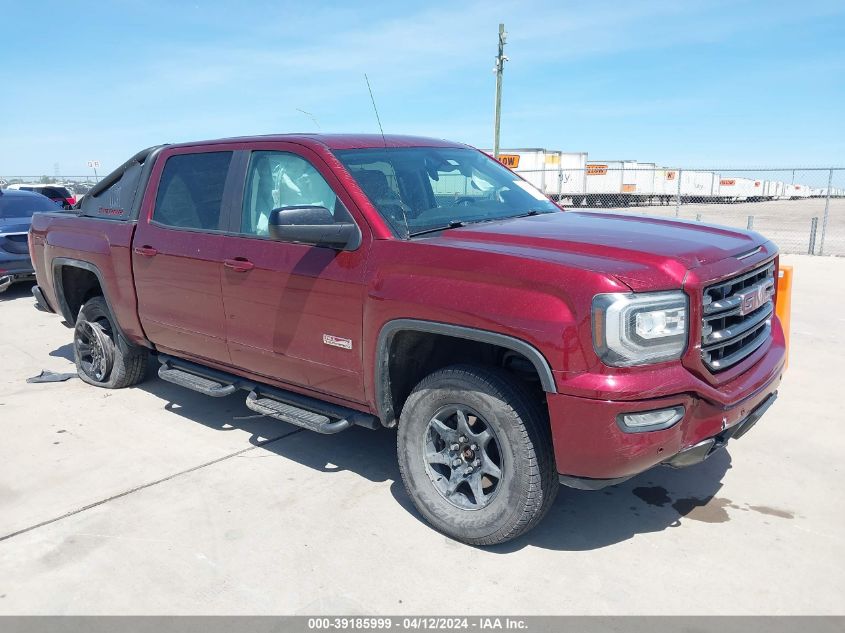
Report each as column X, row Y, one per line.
column 177, row 254
column 294, row 311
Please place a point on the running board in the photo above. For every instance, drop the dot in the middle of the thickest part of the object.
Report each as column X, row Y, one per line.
column 309, row 413
column 286, row 406
column 294, row 415
column 203, row 385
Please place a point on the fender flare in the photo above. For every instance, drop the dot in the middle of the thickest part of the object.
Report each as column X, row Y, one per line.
column 391, row 328
column 70, row 319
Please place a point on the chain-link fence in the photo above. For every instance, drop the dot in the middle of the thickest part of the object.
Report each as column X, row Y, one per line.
column 801, row 209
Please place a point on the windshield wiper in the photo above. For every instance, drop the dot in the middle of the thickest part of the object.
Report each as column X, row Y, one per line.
column 454, row 224
column 528, row 214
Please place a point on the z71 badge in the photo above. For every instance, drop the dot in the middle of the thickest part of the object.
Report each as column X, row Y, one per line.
column 337, row 341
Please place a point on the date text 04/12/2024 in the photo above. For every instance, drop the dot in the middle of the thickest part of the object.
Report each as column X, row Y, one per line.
column 417, row 623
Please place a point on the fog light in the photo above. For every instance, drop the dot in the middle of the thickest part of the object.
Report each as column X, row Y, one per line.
column 642, row 421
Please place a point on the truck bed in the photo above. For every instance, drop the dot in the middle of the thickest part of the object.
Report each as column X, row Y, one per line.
column 56, row 238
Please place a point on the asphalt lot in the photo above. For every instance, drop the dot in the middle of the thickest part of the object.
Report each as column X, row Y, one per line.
column 157, row 500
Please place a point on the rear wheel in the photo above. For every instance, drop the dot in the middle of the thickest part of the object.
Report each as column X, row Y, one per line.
column 475, row 455
column 101, row 359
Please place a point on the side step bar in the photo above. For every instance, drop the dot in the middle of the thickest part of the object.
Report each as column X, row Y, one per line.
column 286, row 406
column 294, row 415
column 202, row 384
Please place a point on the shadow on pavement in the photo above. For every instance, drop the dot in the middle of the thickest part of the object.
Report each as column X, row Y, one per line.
column 658, row 499
column 65, row 351
column 578, row 520
column 22, row 291
column 370, row 454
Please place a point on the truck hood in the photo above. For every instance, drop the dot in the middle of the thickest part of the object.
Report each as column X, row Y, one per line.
column 643, row 252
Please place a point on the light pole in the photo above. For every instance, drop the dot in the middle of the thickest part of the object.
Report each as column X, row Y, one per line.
column 500, row 67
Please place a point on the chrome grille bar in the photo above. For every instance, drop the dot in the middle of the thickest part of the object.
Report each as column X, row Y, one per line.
column 744, row 352
column 737, row 317
column 726, row 335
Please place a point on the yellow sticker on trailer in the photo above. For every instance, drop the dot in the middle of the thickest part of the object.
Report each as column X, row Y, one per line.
column 509, row 160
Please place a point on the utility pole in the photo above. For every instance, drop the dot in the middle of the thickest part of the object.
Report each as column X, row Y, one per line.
column 500, row 66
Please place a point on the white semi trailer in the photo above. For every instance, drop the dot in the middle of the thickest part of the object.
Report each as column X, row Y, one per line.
column 557, row 174
column 570, row 178
column 610, row 183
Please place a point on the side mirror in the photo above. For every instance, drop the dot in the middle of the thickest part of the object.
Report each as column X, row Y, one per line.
column 313, row 225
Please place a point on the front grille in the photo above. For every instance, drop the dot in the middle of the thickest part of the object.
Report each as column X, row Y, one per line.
column 737, row 316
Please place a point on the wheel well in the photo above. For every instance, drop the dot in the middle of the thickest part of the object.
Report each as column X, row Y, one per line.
column 412, row 355
column 78, row 286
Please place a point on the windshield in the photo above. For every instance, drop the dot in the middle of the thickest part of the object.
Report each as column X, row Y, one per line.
column 24, row 206
column 419, row 189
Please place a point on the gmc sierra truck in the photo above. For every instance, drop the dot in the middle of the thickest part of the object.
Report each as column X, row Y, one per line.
column 418, row 284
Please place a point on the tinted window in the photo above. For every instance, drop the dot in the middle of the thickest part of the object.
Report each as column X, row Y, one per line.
column 24, row 206
column 277, row 180
column 190, row 192
column 423, row 188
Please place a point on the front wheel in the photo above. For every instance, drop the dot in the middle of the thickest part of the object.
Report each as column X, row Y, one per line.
column 475, row 455
column 101, row 358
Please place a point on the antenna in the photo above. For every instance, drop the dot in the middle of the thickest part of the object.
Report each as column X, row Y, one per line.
column 373, row 99
column 310, row 116
column 396, row 178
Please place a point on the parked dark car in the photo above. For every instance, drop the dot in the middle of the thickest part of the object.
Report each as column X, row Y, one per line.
column 16, row 209
column 61, row 196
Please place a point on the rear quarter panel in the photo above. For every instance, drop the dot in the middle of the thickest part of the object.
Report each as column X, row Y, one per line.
column 104, row 244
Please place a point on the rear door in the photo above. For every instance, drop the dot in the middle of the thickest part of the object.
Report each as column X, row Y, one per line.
column 294, row 311
column 177, row 252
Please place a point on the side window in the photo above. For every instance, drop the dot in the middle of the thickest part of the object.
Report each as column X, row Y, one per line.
column 276, row 180
column 190, row 193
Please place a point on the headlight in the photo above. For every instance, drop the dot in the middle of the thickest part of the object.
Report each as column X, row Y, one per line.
column 639, row 329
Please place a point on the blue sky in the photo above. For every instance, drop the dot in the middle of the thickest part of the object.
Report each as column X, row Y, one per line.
column 695, row 84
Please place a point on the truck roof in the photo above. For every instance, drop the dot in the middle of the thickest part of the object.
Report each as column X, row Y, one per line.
column 336, row 141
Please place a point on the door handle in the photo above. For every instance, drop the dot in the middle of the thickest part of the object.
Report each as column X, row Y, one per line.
column 146, row 251
column 239, row 264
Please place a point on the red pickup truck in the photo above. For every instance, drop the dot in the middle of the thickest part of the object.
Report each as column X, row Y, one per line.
column 418, row 284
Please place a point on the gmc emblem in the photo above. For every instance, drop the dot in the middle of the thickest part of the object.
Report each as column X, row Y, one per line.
column 756, row 296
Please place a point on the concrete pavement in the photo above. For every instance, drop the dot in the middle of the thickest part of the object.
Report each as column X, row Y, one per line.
column 157, row 500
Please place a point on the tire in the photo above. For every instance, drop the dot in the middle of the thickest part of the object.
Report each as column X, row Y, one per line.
column 520, row 447
column 101, row 359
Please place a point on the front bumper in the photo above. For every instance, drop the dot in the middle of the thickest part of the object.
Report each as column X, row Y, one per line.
column 592, row 451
